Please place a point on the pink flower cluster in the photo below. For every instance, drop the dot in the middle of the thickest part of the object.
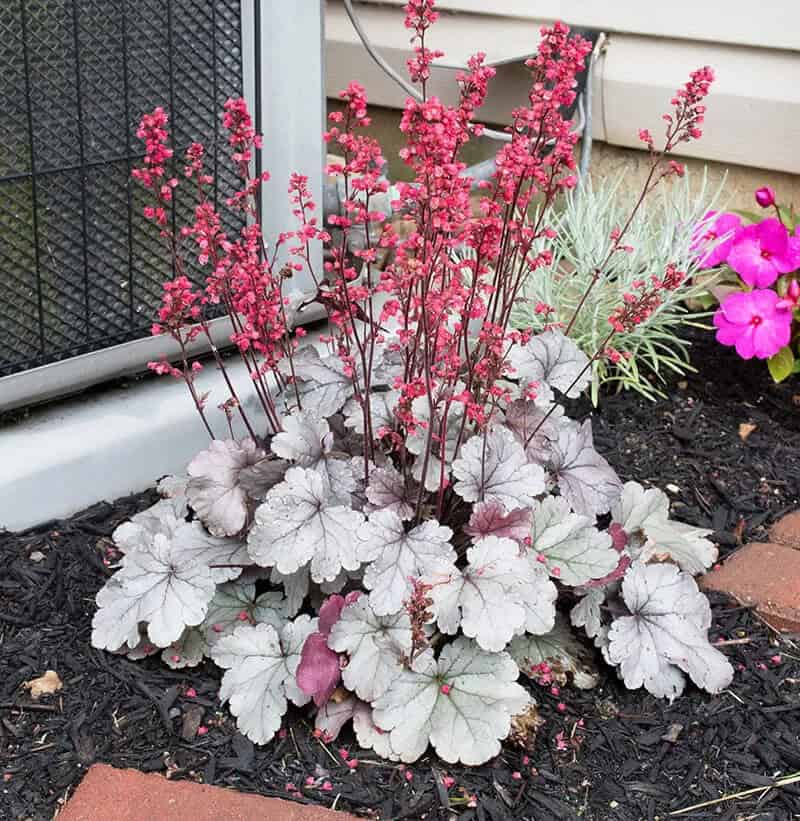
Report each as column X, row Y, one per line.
column 442, row 314
column 757, row 320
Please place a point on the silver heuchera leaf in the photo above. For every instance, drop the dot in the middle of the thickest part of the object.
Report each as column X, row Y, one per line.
column 574, row 550
column 535, row 431
column 387, row 491
column 644, row 516
column 397, row 556
column 260, row 666
column 374, row 644
column 300, row 522
column 552, row 359
column 334, row 714
column 486, row 598
column 462, row 704
column 584, row 477
column 369, row 735
column 192, row 542
column 321, row 381
column 565, row 656
column 667, row 631
column 236, row 603
column 539, row 601
column 381, row 409
column 214, row 491
column 188, row 651
column 493, row 468
column 164, row 517
column 587, row 614
column 295, row 585
column 417, row 440
column 305, row 439
column 257, row 479
column 173, row 487
column 158, row 584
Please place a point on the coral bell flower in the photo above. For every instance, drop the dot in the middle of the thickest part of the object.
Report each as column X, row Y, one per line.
column 753, row 323
column 711, row 252
column 765, row 196
column 762, row 252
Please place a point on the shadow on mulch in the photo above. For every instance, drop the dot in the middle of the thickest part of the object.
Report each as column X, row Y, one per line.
column 635, row 757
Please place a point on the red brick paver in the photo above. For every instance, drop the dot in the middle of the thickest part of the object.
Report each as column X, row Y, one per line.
column 108, row 794
column 767, row 576
column 787, row 530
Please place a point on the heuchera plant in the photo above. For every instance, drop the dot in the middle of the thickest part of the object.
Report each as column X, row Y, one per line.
column 414, row 480
column 758, row 286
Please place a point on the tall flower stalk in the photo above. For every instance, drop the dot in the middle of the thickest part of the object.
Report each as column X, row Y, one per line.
column 441, row 308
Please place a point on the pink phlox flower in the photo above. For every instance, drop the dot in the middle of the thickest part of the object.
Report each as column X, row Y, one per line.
column 762, row 252
column 753, row 323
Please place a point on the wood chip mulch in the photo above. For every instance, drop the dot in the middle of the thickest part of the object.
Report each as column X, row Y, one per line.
column 633, row 757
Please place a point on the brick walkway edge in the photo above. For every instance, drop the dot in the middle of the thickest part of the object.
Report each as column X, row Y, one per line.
column 108, row 794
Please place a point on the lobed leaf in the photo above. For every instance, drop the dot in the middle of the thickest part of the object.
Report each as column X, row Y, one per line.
column 300, row 522
column 584, row 477
column 494, row 468
column 666, row 632
column 574, row 550
column 462, row 704
column 260, row 665
column 375, row 646
column 397, row 556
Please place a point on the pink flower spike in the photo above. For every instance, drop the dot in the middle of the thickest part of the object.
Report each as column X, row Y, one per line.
column 753, row 323
column 765, row 196
column 445, row 689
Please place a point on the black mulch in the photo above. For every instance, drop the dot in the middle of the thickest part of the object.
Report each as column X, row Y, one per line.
column 635, row 757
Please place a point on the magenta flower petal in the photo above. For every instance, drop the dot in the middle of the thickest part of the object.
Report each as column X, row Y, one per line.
column 709, row 231
column 754, row 323
column 318, row 672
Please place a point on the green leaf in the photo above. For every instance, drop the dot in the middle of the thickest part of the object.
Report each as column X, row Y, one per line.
column 750, row 216
column 782, row 364
column 706, row 301
column 788, row 217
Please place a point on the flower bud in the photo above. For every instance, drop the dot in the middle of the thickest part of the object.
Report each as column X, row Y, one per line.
column 765, row 196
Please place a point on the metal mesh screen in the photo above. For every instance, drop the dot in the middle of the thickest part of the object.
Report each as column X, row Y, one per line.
column 80, row 269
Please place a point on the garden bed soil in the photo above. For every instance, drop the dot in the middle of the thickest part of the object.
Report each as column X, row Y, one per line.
column 634, row 757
